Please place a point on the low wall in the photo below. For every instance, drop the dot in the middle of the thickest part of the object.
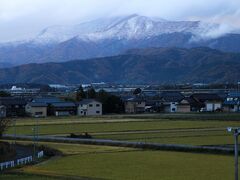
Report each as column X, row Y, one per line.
column 18, row 162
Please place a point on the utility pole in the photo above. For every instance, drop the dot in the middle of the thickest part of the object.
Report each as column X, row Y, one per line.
column 236, row 132
column 35, row 139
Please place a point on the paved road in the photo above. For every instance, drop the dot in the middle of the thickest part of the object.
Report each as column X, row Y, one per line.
column 155, row 146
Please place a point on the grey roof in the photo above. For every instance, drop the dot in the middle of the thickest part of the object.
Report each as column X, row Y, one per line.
column 48, row 100
column 202, row 97
column 12, row 101
column 87, row 101
column 135, row 99
column 171, row 96
column 64, row 104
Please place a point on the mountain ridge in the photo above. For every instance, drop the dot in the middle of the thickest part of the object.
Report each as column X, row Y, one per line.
column 151, row 66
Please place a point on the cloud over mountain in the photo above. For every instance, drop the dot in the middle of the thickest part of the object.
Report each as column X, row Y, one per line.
column 24, row 18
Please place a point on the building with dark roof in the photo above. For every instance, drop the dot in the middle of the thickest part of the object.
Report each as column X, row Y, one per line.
column 14, row 106
column 207, row 101
column 134, row 105
column 64, row 108
column 232, row 102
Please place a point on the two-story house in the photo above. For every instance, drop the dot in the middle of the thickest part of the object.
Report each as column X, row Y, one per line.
column 89, row 107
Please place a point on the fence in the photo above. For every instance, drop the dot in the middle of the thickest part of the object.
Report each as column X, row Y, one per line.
column 18, row 162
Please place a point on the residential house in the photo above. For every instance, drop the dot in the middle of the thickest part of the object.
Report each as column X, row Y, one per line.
column 134, row 105
column 183, row 106
column 14, row 106
column 170, row 101
column 208, row 102
column 36, row 109
column 232, row 102
column 89, row 107
column 57, row 107
column 64, row 108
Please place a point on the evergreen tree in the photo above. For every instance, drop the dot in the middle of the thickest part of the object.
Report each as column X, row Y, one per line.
column 80, row 94
column 91, row 93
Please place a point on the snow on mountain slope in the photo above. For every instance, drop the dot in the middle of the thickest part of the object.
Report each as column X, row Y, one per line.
column 124, row 27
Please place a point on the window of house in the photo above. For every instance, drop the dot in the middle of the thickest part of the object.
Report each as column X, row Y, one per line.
column 90, row 105
column 97, row 112
column 97, row 105
column 81, row 112
column 173, row 109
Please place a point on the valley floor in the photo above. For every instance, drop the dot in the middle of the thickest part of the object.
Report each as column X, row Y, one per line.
column 103, row 162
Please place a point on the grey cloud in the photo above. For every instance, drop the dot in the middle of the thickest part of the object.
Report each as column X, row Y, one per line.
column 24, row 18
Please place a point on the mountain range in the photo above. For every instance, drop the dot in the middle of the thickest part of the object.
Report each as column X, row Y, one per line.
column 113, row 36
column 149, row 65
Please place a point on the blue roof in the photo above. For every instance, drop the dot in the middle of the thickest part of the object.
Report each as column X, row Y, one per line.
column 233, row 98
column 47, row 100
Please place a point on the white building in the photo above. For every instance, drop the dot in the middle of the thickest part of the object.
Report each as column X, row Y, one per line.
column 89, row 107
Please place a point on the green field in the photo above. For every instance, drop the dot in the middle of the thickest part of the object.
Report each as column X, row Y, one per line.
column 166, row 129
column 101, row 162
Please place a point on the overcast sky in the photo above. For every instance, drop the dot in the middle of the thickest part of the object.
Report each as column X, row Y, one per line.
column 25, row 18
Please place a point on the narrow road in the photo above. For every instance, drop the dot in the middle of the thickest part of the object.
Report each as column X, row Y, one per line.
column 142, row 145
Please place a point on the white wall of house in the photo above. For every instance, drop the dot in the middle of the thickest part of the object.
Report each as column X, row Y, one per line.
column 210, row 106
column 173, row 107
column 93, row 108
column 170, row 107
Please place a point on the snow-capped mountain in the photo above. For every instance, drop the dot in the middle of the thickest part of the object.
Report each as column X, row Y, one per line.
column 113, row 36
column 124, row 27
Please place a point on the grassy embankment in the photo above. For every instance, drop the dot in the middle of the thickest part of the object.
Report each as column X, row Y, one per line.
column 100, row 162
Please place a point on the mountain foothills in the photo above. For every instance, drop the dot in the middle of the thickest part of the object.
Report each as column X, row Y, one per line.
column 114, row 35
column 151, row 65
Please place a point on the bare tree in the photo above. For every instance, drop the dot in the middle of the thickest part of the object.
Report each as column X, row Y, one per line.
column 4, row 124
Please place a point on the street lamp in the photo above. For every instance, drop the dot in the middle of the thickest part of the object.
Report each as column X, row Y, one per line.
column 236, row 132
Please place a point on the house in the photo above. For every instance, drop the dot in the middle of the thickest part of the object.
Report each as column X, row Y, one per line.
column 89, row 107
column 2, row 111
column 14, row 106
column 63, row 108
column 154, row 105
column 232, row 102
column 183, row 106
column 170, row 101
column 208, row 102
column 134, row 105
column 36, row 109
column 57, row 107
